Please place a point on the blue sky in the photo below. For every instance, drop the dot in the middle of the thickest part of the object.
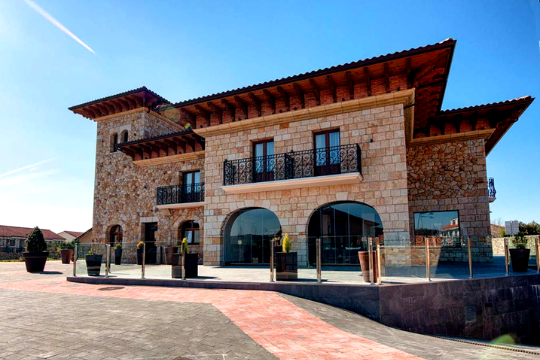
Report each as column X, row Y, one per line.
column 186, row 49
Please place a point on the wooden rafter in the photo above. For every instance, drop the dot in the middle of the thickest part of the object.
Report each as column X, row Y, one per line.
column 285, row 97
column 188, row 117
column 332, row 86
column 242, row 105
column 368, row 80
column 271, row 100
column 256, row 103
column 350, row 84
column 316, row 91
column 216, row 110
column 230, row 108
column 426, row 69
column 386, row 77
column 300, row 94
column 408, row 73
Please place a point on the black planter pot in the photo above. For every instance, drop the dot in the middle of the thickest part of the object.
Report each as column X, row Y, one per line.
column 520, row 259
column 35, row 262
column 192, row 266
column 139, row 256
column 118, row 256
column 169, row 251
column 93, row 264
column 286, row 266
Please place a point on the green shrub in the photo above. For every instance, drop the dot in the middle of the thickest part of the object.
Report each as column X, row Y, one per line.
column 35, row 242
column 520, row 241
column 286, row 243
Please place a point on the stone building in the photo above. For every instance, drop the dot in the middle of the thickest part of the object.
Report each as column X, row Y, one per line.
column 343, row 153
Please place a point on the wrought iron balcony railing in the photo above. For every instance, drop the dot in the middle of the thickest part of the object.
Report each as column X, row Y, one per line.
column 179, row 194
column 491, row 188
column 293, row 165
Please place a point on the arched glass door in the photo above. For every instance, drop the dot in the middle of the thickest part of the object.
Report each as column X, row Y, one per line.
column 342, row 227
column 248, row 234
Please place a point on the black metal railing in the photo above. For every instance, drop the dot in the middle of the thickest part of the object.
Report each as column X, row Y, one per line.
column 179, row 194
column 491, row 188
column 293, row 165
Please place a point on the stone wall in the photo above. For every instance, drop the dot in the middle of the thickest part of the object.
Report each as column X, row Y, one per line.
column 498, row 244
column 125, row 193
column 450, row 176
column 379, row 132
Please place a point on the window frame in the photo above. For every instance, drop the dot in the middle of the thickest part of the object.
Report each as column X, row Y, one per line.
column 438, row 211
column 265, row 174
column 331, row 169
column 184, row 228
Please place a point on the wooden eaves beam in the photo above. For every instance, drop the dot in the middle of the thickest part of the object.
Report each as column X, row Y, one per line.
column 299, row 94
column 271, row 100
column 230, row 108
column 332, row 86
column 242, row 105
column 316, row 91
column 386, row 77
column 350, row 84
column 256, row 103
column 368, row 80
column 285, row 97
column 216, row 110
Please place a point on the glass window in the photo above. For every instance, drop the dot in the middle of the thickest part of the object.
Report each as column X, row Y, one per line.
column 191, row 231
column 115, row 235
column 343, row 228
column 248, row 234
column 192, row 181
column 327, row 154
column 263, row 160
column 437, row 223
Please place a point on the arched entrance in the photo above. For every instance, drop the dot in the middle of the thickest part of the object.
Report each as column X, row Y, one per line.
column 342, row 227
column 247, row 235
column 115, row 235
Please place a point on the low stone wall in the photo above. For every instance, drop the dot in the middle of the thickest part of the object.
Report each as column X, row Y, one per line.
column 498, row 244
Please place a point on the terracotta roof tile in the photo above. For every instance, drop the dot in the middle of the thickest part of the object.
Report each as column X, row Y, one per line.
column 22, row 232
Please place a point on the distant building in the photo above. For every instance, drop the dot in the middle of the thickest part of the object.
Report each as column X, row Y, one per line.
column 14, row 236
column 70, row 235
column 85, row 237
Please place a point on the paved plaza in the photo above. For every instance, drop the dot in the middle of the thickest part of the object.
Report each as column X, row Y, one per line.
column 45, row 317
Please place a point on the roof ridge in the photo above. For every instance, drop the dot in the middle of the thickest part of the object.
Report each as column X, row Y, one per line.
column 521, row 98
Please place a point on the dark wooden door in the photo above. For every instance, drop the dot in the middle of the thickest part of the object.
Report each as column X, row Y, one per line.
column 150, row 242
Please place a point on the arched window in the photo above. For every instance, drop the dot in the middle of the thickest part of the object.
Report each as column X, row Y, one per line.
column 115, row 235
column 247, row 236
column 191, row 231
column 114, row 142
column 125, row 136
column 343, row 228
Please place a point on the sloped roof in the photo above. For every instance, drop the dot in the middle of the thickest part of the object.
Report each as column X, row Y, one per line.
column 73, row 233
column 22, row 232
column 125, row 93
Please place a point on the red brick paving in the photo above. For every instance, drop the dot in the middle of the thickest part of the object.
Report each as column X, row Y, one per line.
column 282, row 328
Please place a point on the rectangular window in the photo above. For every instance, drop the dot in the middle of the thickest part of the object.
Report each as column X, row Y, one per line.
column 437, row 223
column 192, row 182
column 263, row 160
column 327, row 152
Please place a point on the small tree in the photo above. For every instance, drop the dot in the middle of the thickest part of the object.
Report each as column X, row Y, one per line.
column 520, row 241
column 35, row 242
column 185, row 245
column 286, row 243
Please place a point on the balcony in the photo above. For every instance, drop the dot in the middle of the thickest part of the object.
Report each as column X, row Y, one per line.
column 178, row 196
column 491, row 190
column 322, row 167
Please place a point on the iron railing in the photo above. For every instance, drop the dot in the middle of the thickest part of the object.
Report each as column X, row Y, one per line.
column 491, row 188
column 293, row 165
column 179, row 194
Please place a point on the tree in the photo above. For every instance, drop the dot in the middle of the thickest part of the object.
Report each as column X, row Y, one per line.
column 532, row 228
column 35, row 242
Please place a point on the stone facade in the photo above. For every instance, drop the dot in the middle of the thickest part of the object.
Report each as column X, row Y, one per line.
column 125, row 193
column 379, row 132
column 397, row 181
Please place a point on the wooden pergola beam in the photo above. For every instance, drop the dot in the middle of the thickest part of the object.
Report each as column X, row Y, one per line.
column 300, row 94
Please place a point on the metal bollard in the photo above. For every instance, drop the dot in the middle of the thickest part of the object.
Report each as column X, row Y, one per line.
column 370, row 254
column 379, row 273
column 428, row 270
column 143, row 260
column 272, row 244
column 75, row 260
column 183, row 262
column 537, row 257
column 470, row 258
column 319, row 260
column 108, row 259
column 506, row 255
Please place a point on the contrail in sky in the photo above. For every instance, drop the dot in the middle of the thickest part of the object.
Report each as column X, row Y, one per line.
column 27, row 167
column 56, row 23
